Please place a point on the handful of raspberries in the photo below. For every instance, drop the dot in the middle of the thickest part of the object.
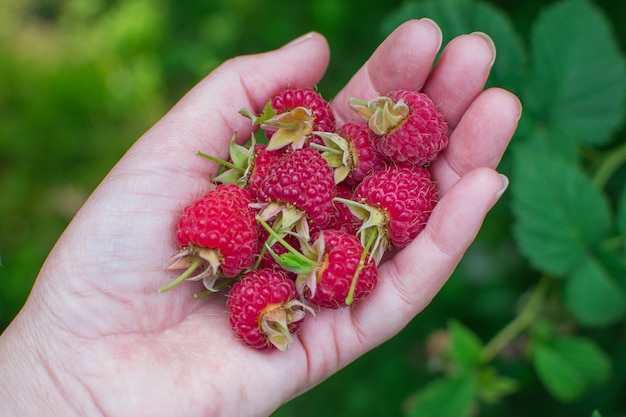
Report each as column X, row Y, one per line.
column 301, row 221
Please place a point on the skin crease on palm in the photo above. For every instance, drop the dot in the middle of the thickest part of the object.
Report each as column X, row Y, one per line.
column 95, row 338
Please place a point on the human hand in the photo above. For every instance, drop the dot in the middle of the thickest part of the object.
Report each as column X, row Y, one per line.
column 96, row 338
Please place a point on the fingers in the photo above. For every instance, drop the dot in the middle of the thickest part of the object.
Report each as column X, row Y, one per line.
column 460, row 74
column 403, row 60
column 410, row 280
column 480, row 138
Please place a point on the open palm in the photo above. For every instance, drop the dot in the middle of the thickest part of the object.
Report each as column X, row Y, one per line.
column 98, row 339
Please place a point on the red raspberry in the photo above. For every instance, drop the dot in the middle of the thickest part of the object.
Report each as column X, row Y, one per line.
column 394, row 204
column 264, row 308
column 290, row 98
column 217, row 234
column 291, row 117
column 300, row 187
column 405, row 126
column 338, row 257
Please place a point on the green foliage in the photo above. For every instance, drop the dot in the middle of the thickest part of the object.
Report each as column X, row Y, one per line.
column 465, row 346
column 568, row 366
column 549, row 195
column 566, row 222
column 445, row 397
column 576, row 87
column 593, row 294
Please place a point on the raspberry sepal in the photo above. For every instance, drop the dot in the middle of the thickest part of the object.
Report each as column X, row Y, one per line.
column 382, row 113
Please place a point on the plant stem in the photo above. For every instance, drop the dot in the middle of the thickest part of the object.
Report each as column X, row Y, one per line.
column 360, row 266
column 609, row 165
column 520, row 323
column 306, row 261
column 219, row 161
column 195, row 264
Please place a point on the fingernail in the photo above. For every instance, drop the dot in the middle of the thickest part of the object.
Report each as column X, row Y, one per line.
column 435, row 25
column 521, row 108
column 490, row 42
column 505, row 185
column 300, row 39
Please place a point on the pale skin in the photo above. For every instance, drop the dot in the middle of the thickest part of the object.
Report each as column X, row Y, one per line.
column 95, row 338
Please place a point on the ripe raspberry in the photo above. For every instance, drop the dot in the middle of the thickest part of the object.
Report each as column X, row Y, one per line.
column 217, row 235
column 264, row 308
column 350, row 152
column 339, row 278
column 291, row 117
column 300, row 187
column 405, row 126
column 394, row 204
column 290, row 98
column 263, row 160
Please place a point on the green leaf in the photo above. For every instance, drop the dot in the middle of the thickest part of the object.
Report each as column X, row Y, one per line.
column 578, row 81
column 568, row 367
column 615, row 264
column 465, row 346
column 548, row 139
column 559, row 213
column 491, row 387
column 593, row 295
column 458, row 17
column 445, row 397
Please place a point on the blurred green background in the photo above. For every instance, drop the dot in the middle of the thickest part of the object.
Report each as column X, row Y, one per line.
column 81, row 80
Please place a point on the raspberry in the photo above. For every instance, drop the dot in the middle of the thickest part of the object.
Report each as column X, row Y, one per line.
column 339, row 278
column 263, row 160
column 333, row 269
column 394, row 204
column 290, row 98
column 217, row 235
column 405, row 126
column 292, row 116
column 337, row 200
column 300, row 187
column 264, row 309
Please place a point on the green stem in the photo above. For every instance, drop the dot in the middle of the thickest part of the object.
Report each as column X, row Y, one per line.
column 609, row 166
column 220, row 161
column 523, row 320
column 196, row 263
column 286, row 244
column 357, row 272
